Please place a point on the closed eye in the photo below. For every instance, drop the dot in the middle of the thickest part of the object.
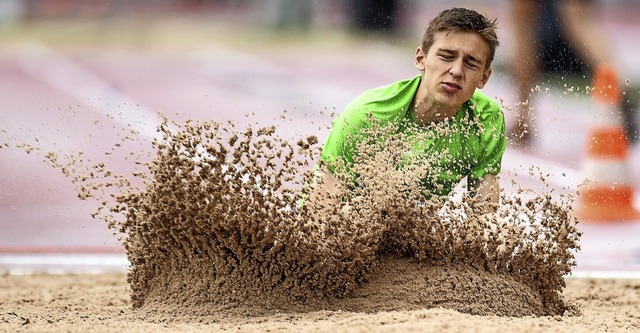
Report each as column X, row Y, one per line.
column 472, row 62
column 446, row 57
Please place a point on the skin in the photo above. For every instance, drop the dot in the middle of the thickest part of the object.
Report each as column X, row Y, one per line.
column 453, row 67
column 577, row 24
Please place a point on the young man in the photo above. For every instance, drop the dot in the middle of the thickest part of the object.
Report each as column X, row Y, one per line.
column 454, row 60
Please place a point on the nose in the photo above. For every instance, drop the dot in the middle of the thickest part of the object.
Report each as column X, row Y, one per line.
column 456, row 69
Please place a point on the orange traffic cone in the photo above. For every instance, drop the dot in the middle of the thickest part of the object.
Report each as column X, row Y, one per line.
column 608, row 194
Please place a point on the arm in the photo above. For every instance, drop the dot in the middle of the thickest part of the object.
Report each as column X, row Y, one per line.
column 524, row 62
column 325, row 191
column 485, row 193
column 525, row 66
column 583, row 29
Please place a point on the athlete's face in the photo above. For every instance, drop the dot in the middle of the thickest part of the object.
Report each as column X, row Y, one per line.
column 453, row 67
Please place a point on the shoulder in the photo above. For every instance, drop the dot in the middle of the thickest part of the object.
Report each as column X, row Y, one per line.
column 385, row 101
column 487, row 115
column 397, row 87
column 490, row 139
column 485, row 108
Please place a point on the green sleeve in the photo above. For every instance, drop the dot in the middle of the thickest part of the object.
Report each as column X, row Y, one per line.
column 492, row 140
column 384, row 104
column 342, row 140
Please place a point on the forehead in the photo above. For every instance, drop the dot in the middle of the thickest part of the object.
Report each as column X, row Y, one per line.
column 465, row 42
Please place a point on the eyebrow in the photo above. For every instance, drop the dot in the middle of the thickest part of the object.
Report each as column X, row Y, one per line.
column 468, row 56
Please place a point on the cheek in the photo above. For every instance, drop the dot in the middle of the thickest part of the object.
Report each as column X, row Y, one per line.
column 476, row 80
column 433, row 65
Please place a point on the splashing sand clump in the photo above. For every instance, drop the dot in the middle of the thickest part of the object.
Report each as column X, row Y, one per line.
column 218, row 226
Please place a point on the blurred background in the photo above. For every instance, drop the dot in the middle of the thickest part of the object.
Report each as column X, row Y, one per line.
column 75, row 75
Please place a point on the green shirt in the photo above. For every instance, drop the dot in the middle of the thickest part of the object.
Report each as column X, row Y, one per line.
column 472, row 146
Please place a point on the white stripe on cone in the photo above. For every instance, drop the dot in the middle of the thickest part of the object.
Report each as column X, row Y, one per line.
column 606, row 171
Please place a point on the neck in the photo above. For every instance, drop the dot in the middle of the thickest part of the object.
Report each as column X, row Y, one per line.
column 427, row 113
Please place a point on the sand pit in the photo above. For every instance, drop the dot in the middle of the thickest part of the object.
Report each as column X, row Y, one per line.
column 219, row 225
column 101, row 303
column 216, row 233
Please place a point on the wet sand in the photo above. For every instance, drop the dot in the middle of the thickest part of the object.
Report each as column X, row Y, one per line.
column 101, row 303
column 216, row 233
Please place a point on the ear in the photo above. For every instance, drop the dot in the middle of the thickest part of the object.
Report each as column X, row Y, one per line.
column 485, row 78
column 419, row 59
